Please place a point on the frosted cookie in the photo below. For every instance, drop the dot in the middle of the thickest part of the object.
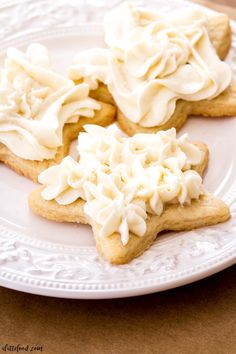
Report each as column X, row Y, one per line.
column 129, row 189
column 159, row 69
column 41, row 111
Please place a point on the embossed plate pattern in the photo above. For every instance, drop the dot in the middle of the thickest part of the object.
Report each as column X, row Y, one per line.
column 43, row 257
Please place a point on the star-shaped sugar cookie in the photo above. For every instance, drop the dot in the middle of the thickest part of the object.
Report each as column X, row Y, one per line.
column 129, row 190
column 222, row 104
column 41, row 112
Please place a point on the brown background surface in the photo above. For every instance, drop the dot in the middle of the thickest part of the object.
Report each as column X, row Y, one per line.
column 195, row 319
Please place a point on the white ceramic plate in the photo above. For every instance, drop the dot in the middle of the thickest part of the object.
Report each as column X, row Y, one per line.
column 42, row 257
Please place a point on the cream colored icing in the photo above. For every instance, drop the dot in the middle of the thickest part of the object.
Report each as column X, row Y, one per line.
column 152, row 60
column 36, row 102
column 122, row 179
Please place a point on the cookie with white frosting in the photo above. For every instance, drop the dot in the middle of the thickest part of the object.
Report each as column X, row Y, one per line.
column 41, row 111
column 129, row 189
column 159, row 69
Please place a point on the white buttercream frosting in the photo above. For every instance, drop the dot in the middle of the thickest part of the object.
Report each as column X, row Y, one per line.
column 121, row 179
column 36, row 102
column 152, row 60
